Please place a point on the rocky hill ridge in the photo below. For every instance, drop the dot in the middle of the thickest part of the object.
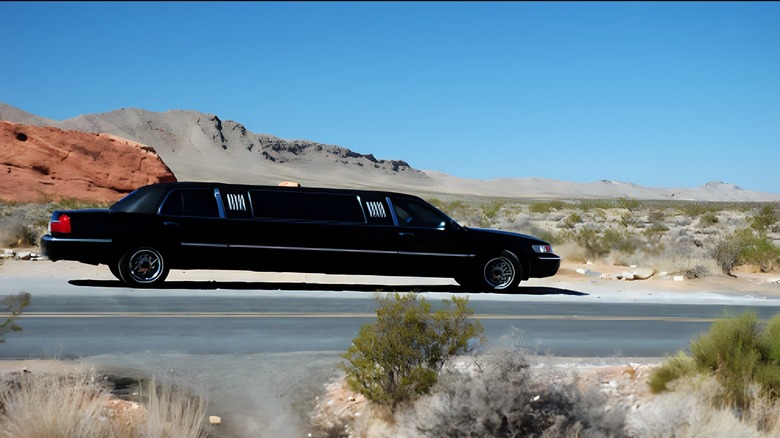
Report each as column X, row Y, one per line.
column 199, row 147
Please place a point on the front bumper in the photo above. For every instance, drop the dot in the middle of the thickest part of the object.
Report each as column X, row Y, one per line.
column 545, row 266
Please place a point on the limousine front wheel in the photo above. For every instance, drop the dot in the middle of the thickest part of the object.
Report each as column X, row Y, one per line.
column 502, row 272
column 143, row 267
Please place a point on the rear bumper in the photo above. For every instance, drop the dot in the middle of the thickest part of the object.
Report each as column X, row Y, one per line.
column 92, row 251
column 545, row 267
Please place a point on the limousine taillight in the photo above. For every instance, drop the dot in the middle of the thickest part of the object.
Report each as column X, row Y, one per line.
column 60, row 224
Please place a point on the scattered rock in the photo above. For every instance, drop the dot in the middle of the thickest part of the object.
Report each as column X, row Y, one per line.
column 215, row 420
column 679, row 278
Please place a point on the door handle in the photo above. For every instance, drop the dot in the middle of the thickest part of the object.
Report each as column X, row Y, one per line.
column 402, row 234
column 171, row 224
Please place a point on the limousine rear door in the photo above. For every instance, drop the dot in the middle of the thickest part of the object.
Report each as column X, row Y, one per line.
column 192, row 220
column 429, row 243
column 312, row 231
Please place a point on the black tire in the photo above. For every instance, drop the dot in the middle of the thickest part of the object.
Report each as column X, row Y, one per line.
column 501, row 273
column 143, row 267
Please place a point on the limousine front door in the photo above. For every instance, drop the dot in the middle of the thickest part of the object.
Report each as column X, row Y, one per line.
column 428, row 242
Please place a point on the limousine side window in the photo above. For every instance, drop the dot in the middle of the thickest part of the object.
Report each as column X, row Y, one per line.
column 236, row 205
column 190, row 202
column 268, row 204
column 414, row 214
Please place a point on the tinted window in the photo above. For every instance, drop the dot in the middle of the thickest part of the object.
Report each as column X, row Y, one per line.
column 412, row 213
column 191, row 202
column 306, row 206
column 143, row 200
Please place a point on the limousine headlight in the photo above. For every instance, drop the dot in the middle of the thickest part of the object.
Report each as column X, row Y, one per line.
column 542, row 249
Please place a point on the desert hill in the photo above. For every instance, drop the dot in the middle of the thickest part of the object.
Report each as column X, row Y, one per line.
column 200, row 147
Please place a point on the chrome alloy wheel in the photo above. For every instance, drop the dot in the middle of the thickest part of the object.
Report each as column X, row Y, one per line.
column 145, row 265
column 499, row 273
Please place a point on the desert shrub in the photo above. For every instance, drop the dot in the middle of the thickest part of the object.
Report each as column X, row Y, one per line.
column 590, row 239
column 708, row 219
column 489, row 213
column 765, row 218
column 599, row 244
column 656, row 216
column 499, row 396
column 672, row 369
column 543, row 207
column 13, row 306
column 397, row 358
column 629, row 204
column 571, row 220
column 726, row 253
column 742, row 357
column 745, row 247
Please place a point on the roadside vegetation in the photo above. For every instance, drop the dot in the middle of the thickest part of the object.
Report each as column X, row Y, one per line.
column 13, row 306
column 689, row 238
column 732, row 375
column 52, row 405
column 426, row 374
column 728, row 385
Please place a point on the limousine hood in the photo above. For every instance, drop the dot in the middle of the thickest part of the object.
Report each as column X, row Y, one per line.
column 490, row 231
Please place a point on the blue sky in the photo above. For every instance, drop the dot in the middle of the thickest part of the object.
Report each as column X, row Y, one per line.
column 661, row 94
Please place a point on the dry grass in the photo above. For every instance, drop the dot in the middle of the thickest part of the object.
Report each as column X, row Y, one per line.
column 691, row 411
column 54, row 406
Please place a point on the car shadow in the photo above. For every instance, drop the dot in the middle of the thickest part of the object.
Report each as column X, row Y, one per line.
column 339, row 287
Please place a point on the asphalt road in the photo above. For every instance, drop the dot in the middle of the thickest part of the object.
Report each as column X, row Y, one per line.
column 263, row 349
column 78, row 317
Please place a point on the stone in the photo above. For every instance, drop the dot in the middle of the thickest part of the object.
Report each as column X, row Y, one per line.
column 643, row 273
column 215, row 420
column 40, row 164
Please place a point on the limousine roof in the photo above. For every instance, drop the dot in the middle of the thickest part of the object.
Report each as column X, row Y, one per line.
column 147, row 198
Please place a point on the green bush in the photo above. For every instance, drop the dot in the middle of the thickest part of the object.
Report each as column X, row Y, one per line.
column 542, row 207
column 671, row 370
column 397, row 358
column 745, row 247
column 708, row 218
column 13, row 305
column 600, row 244
column 744, row 359
column 765, row 218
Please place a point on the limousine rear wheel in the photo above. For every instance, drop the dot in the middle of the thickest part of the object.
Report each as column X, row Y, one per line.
column 143, row 267
column 502, row 272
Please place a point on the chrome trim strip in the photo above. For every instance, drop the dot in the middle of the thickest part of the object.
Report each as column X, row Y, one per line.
column 366, row 251
column 68, row 239
column 207, row 245
column 439, row 254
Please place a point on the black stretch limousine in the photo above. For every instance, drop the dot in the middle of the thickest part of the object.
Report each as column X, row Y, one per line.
column 196, row 225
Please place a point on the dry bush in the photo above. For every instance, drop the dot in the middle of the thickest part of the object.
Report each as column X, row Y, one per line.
column 54, row 406
column 691, row 411
column 498, row 395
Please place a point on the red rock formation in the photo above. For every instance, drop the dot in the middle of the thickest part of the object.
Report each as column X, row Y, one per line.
column 39, row 164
